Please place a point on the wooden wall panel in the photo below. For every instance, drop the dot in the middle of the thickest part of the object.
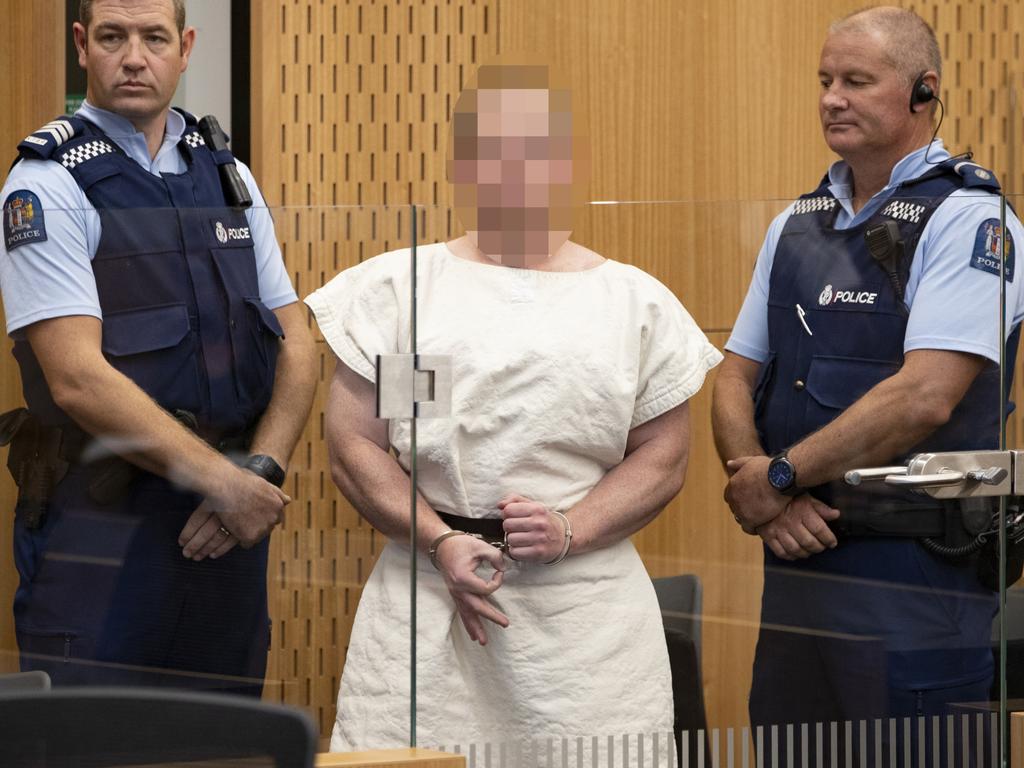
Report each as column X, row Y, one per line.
column 32, row 92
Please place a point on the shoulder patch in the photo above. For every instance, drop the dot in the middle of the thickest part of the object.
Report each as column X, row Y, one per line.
column 43, row 142
column 988, row 248
column 193, row 139
column 23, row 219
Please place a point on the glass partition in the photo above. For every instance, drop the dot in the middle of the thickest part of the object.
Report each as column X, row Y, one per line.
column 360, row 326
column 664, row 634
column 1008, row 632
column 897, row 613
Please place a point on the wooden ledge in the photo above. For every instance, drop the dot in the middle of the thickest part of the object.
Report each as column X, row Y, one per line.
column 393, row 758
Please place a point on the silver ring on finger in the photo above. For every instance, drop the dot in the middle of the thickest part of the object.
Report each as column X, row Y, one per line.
column 223, row 531
column 508, row 548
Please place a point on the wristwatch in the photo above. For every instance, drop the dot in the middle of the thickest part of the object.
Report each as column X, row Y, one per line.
column 782, row 475
column 264, row 466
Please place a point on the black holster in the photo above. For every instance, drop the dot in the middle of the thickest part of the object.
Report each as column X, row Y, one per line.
column 35, row 462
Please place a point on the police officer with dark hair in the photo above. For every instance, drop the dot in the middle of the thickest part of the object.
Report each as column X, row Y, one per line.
column 168, row 371
column 869, row 332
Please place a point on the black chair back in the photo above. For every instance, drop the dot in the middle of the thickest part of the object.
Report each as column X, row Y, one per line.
column 93, row 727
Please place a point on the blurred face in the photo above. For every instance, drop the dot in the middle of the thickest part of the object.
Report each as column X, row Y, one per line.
column 133, row 56
column 864, row 105
column 512, row 167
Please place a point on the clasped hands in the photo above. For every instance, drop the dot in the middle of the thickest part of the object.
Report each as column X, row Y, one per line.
column 243, row 511
column 533, row 534
column 792, row 528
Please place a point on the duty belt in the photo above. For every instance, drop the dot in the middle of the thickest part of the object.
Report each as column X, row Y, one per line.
column 955, row 521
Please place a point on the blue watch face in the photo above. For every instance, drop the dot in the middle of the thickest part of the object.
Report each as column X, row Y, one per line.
column 781, row 474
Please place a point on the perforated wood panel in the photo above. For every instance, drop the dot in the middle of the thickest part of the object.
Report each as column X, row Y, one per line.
column 983, row 80
column 350, row 123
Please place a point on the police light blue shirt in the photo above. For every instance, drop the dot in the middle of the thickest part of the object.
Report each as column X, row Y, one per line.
column 52, row 277
column 953, row 302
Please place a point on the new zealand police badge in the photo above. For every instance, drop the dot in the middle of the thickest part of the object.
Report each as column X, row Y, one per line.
column 23, row 219
column 988, row 247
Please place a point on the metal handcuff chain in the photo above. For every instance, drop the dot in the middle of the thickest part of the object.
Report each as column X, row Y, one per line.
column 503, row 545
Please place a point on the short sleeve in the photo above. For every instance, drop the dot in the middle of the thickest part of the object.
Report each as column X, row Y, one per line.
column 953, row 290
column 46, row 256
column 749, row 337
column 275, row 286
column 358, row 313
column 675, row 358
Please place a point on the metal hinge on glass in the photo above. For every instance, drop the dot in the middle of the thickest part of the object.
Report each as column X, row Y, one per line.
column 414, row 386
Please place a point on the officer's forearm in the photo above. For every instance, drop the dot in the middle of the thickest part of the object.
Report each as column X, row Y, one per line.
column 294, row 384
column 890, row 419
column 110, row 406
column 732, row 410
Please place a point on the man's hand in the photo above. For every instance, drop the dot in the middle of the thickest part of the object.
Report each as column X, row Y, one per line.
column 458, row 558
column 749, row 495
column 247, row 506
column 801, row 530
column 532, row 532
column 205, row 535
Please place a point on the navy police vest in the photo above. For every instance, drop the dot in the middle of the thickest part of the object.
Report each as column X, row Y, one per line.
column 176, row 275
column 836, row 327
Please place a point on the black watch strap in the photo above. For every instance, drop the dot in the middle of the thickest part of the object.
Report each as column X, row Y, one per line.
column 264, row 466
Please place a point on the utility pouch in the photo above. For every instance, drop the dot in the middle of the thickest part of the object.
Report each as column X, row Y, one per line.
column 35, row 463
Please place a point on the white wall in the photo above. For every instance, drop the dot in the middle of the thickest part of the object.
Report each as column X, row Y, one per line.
column 205, row 88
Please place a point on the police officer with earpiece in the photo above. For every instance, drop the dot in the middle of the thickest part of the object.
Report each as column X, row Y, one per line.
column 870, row 332
column 167, row 369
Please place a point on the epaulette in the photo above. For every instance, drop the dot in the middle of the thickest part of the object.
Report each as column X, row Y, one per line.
column 43, row 143
column 974, row 175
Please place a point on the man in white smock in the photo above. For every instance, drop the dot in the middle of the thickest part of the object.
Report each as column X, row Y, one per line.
column 569, row 431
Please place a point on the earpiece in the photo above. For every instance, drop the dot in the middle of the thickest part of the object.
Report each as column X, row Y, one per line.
column 920, row 93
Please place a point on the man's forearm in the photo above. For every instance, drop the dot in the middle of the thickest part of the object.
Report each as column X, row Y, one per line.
column 732, row 419
column 632, row 494
column 377, row 486
column 112, row 408
column 889, row 420
column 294, row 384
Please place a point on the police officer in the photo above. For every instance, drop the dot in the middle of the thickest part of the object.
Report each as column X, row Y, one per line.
column 158, row 338
column 869, row 332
